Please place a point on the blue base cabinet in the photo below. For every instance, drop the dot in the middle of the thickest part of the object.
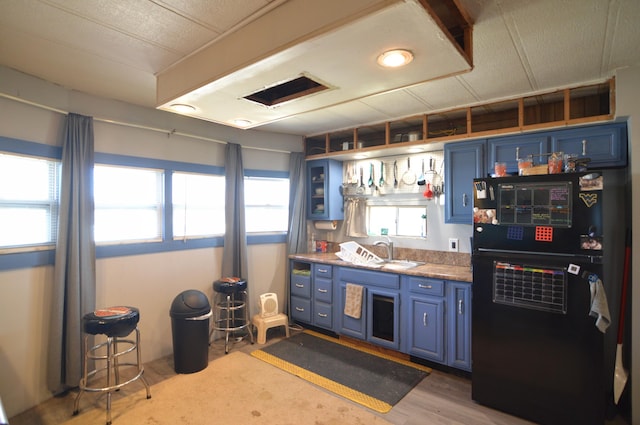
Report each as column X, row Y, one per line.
column 425, row 332
column 379, row 321
column 311, row 289
column 459, row 325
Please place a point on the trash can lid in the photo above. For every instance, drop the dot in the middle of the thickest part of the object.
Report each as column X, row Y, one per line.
column 190, row 303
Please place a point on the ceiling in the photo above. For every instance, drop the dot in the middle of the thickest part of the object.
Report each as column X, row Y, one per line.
column 122, row 49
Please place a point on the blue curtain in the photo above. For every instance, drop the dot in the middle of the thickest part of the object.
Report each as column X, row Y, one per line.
column 297, row 232
column 234, row 254
column 74, row 281
column 297, row 235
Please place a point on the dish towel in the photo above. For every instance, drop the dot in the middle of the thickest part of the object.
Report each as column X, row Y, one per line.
column 599, row 305
column 353, row 301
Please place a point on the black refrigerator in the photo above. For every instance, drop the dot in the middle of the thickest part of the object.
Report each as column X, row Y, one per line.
column 547, row 255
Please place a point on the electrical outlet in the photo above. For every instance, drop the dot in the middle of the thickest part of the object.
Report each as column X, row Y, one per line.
column 453, row 245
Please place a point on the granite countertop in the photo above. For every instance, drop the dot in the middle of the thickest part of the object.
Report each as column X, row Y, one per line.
column 437, row 271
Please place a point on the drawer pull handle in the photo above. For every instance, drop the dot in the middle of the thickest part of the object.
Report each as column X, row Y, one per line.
column 299, row 309
column 323, row 271
column 324, row 291
column 424, row 319
column 420, row 285
column 299, row 285
column 460, row 310
column 323, row 315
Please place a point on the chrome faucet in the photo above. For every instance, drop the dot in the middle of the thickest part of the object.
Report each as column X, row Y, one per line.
column 389, row 246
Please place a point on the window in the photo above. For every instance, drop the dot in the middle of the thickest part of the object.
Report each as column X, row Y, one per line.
column 266, row 202
column 128, row 204
column 29, row 196
column 198, row 205
column 397, row 220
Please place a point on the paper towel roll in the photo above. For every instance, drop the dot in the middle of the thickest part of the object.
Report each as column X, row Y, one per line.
column 326, row 225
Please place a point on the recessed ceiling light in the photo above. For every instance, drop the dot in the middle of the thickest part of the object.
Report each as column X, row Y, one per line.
column 182, row 108
column 395, row 58
column 241, row 122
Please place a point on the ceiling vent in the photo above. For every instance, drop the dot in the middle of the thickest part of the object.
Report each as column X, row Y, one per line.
column 286, row 91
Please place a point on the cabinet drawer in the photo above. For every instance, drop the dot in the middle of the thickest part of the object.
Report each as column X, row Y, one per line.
column 301, row 286
column 322, row 270
column 323, row 315
column 323, row 290
column 425, row 285
column 368, row 277
column 301, row 309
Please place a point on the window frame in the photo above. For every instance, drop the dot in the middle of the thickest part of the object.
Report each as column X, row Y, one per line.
column 46, row 256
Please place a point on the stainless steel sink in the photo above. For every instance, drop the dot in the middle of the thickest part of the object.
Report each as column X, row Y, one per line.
column 400, row 264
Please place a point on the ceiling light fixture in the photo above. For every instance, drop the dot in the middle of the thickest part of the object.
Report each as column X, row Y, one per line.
column 395, row 58
column 240, row 122
column 182, row 108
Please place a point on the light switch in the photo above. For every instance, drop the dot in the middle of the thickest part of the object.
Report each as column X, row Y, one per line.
column 453, row 245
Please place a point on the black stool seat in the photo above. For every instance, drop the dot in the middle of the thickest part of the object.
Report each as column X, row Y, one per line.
column 112, row 322
column 229, row 285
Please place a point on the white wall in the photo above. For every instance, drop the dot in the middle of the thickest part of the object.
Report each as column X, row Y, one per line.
column 149, row 282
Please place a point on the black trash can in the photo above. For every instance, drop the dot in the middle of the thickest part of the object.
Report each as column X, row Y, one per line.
column 190, row 315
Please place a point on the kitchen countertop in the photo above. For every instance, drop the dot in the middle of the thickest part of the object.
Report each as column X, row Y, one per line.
column 432, row 270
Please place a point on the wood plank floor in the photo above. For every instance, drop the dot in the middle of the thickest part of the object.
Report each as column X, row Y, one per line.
column 441, row 398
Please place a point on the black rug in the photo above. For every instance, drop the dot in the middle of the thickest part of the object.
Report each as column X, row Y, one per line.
column 369, row 378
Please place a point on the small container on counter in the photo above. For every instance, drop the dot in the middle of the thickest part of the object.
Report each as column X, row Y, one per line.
column 555, row 163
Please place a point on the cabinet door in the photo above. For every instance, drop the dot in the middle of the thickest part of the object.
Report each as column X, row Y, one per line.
column 606, row 145
column 463, row 162
column 323, row 302
column 508, row 149
column 383, row 318
column 301, row 309
column 459, row 325
column 348, row 325
column 324, row 178
column 426, row 336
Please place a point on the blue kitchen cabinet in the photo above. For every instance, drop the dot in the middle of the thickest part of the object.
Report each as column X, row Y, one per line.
column 509, row 149
column 311, row 291
column 459, row 325
column 379, row 321
column 426, row 308
column 300, row 291
column 605, row 145
column 464, row 161
column 322, row 297
column 383, row 317
column 324, row 200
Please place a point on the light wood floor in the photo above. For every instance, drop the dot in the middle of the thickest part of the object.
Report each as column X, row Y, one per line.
column 441, row 398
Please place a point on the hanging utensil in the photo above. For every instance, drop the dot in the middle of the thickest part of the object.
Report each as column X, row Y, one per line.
column 371, row 174
column 381, row 182
column 432, row 163
column 428, row 193
column 360, row 189
column 620, row 374
column 421, row 180
column 409, row 177
column 395, row 174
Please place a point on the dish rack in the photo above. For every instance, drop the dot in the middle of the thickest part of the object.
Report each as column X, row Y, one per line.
column 355, row 253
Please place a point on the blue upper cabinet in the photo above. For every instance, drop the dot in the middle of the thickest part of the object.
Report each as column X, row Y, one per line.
column 605, row 145
column 324, row 200
column 509, row 149
column 464, row 161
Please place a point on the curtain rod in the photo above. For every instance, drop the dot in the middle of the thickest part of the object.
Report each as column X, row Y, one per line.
column 169, row 133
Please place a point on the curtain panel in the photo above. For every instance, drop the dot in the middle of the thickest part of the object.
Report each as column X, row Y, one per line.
column 74, row 283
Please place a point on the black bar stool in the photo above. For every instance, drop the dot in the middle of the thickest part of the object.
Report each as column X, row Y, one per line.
column 231, row 312
column 115, row 323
